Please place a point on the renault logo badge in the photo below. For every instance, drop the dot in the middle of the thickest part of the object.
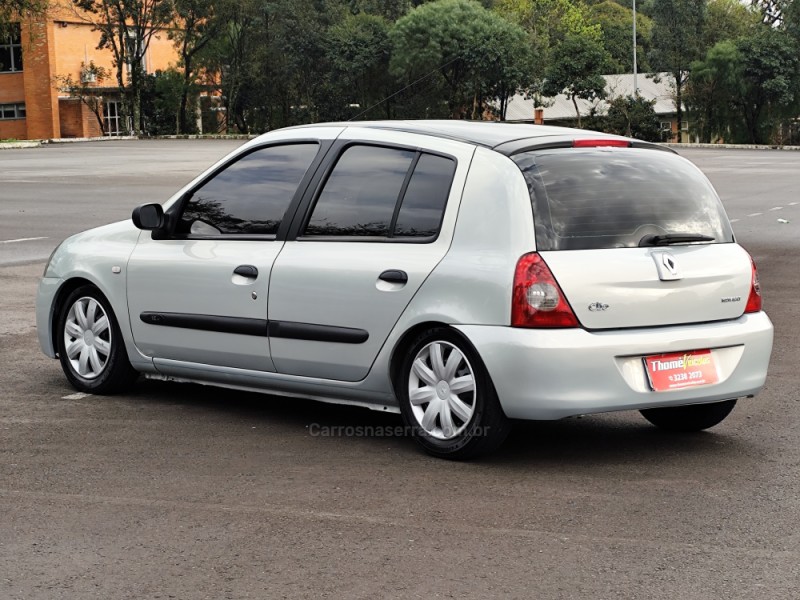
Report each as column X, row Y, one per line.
column 667, row 266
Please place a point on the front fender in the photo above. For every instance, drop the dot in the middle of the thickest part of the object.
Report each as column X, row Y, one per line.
column 100, row 257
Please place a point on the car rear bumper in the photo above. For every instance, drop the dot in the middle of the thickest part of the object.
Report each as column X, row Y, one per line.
column 552, row 374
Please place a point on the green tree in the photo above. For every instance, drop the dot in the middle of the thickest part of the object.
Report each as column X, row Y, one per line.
column 728, row 20
column 548, row 23
column 616, row 22
column 468, row 55
column 633, row 117
column 192, row 30
column 712, row 90
column 126, row 28
column 577, row 71
column 791, row 21
column 742, row 91
column 771, row 11
column 391, row 10
column 271, row 61
column 11, row 11
column 161, row 101
column 677, row 27
column 770, row 83
column 357, row 52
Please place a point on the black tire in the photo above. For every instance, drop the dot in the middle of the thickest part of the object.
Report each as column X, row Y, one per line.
column 116, row 373
column 485, row 428
column 695, row 417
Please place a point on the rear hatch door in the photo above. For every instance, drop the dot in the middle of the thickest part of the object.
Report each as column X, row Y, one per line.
column 606, row 222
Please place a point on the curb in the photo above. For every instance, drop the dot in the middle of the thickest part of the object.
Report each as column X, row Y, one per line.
column 18, row 145
column 214, row 136
column 105, row 138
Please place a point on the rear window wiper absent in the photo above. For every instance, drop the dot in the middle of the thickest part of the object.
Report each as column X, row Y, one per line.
column 673, row 238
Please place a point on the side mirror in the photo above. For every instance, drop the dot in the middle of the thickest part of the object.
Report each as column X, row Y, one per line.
column 149, row 217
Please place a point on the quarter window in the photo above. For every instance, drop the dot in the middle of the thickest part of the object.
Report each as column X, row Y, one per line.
column 383, row 193
column 11, row 51
column 424, row 201
column 251, row 195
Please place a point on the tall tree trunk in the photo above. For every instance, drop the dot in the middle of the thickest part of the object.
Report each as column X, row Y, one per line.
column 184, row 102
column 577, row 111
column 679, row 103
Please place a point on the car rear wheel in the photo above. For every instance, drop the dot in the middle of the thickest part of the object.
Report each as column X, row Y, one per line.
column 447, row 398
column 695, row 417
column 90, row 345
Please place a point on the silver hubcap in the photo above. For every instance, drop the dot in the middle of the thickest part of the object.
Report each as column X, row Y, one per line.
column 87, row 338
column 441, row 389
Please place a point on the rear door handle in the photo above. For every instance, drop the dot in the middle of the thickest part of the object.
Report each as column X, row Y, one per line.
column 394, row 276
column 248, row 271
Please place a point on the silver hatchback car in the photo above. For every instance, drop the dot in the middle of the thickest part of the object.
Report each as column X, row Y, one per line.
column 461, row 274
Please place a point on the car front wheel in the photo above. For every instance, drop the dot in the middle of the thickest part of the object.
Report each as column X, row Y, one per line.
column 695, row 417
column 447, row 398
column 90, row 345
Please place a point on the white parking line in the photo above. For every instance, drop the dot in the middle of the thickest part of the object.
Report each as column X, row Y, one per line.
column 754, row 214
column 77, row 396
column 22, row 240
column 792, row 203
column 776, row 208
column 735, row 220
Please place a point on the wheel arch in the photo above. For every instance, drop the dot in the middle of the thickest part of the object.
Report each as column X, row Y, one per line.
column 404, row 343
column 69, row 286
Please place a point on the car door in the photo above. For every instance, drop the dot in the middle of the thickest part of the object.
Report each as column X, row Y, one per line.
column 199, row 293
column 375, row 227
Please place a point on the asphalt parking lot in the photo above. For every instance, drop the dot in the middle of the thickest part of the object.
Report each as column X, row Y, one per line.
column 191, row 492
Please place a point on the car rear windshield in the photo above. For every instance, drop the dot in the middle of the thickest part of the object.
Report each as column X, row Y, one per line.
column 613, row 197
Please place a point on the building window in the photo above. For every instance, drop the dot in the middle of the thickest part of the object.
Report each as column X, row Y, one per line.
column 12, row 111
column 111, row 117
column 132, row 41
column 11, row 52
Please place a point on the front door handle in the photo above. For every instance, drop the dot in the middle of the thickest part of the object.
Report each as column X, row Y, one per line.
column 248, row 271
column 394, row 276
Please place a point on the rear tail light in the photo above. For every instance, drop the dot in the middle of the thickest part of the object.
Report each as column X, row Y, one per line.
column 537, row 299
column 754, row 300
column 600, row 143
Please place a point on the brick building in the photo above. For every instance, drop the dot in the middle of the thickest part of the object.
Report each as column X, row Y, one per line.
column 59, row 45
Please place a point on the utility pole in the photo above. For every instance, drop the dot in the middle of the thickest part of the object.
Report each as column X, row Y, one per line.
column 635, row 84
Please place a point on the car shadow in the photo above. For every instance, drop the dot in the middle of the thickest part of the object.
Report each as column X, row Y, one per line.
column 584, row 442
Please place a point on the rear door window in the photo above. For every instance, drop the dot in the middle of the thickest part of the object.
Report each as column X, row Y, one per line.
column 613, row 197
column 383, row 193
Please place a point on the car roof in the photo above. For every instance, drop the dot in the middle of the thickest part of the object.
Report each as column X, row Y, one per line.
column 491, row 134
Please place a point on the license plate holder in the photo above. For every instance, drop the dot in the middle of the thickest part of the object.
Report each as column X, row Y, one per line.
column 679, row 370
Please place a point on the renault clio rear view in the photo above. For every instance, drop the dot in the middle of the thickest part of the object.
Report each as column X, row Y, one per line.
column 462, row 274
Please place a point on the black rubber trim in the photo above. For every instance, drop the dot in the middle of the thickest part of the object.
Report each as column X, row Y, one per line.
column 317, row 333
column 257, row 327
column 240, row 325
